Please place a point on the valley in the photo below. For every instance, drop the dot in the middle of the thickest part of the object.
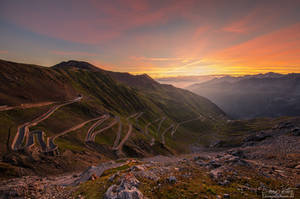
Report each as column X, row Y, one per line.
column 85, row 132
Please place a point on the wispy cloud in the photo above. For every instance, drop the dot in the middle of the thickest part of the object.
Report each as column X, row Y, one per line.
column 162, row 59
column 167, row 38
column 3, row 52
column 73, row 53
column 280, row 48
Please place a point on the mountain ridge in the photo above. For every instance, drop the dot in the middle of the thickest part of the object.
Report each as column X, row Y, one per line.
column 250, row 96
column 151, row 116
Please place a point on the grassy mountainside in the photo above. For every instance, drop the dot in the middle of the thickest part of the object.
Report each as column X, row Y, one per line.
column 104, row 92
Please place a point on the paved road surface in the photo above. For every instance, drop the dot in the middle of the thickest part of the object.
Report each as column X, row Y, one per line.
column 164, row 132
column 118, row 137
column 50, row 141
column 180, row 123
column 23, row 129
column 93, row 136
column 160, row 123
column 95, row 125
column 120, row 146
column 25, row 106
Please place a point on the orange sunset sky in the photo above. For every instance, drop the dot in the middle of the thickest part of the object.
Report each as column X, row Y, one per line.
column 163, row 38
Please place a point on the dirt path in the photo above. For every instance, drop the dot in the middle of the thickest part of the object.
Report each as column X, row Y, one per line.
column 23, row 129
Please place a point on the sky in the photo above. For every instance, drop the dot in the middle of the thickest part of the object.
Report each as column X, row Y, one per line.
column 163, row 38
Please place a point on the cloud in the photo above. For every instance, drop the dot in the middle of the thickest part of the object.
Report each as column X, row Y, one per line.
column 91, row 21
column 162, row 59
column 73, row 53
column 185, row 81
column 163, row 38
column 3, row 52
column 279, row 49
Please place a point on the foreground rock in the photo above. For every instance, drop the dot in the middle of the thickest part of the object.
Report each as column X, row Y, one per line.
column 127, row 189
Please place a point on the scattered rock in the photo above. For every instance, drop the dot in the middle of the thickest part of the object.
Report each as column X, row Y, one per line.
column 128, row 189
column 296, row 131
column 147, row 174
column 226, row 195
column 200, row 163
column 238, row 153
column 137, row 168
column 217, row 144
column 224, row 183
column 284, row 125
column 201, row 157
column 257, row 137
column 172, row 179
column 216, row 173
column 93, row 177
column 213, row 164
column 112, row 178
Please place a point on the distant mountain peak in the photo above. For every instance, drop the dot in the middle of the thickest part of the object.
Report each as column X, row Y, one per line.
column 146, row 76
column 76, row 64
column 267, row 75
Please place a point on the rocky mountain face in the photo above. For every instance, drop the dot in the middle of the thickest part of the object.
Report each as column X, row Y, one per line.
column 251, row 96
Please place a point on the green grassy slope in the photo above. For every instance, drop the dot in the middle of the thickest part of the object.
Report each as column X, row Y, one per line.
column 103, row 92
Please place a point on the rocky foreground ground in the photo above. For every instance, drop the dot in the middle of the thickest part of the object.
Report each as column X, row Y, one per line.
column 265, row 164
column 207, row 175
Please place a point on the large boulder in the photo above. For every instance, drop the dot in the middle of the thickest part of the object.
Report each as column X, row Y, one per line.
column 257, row 137
column 127, row 189
column 239, row 153
column 296, row 131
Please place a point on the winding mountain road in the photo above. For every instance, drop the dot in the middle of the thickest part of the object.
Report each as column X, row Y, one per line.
column 25, row 106
column 50, row 141
column 149, row 124
column 174, row 130
column 164, row 132
column 187, row 121
column 95, row 125
column 120, row 146
column 160, row 123
column 118, row 137
column 23, row 129
column 152, row 141
column 93, row 135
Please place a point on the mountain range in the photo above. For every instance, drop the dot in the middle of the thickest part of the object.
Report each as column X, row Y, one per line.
column 74, row 130
column 133, row 113
column 252, row 96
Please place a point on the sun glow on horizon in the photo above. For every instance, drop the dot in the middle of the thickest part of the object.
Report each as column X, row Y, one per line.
column 160, row 38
